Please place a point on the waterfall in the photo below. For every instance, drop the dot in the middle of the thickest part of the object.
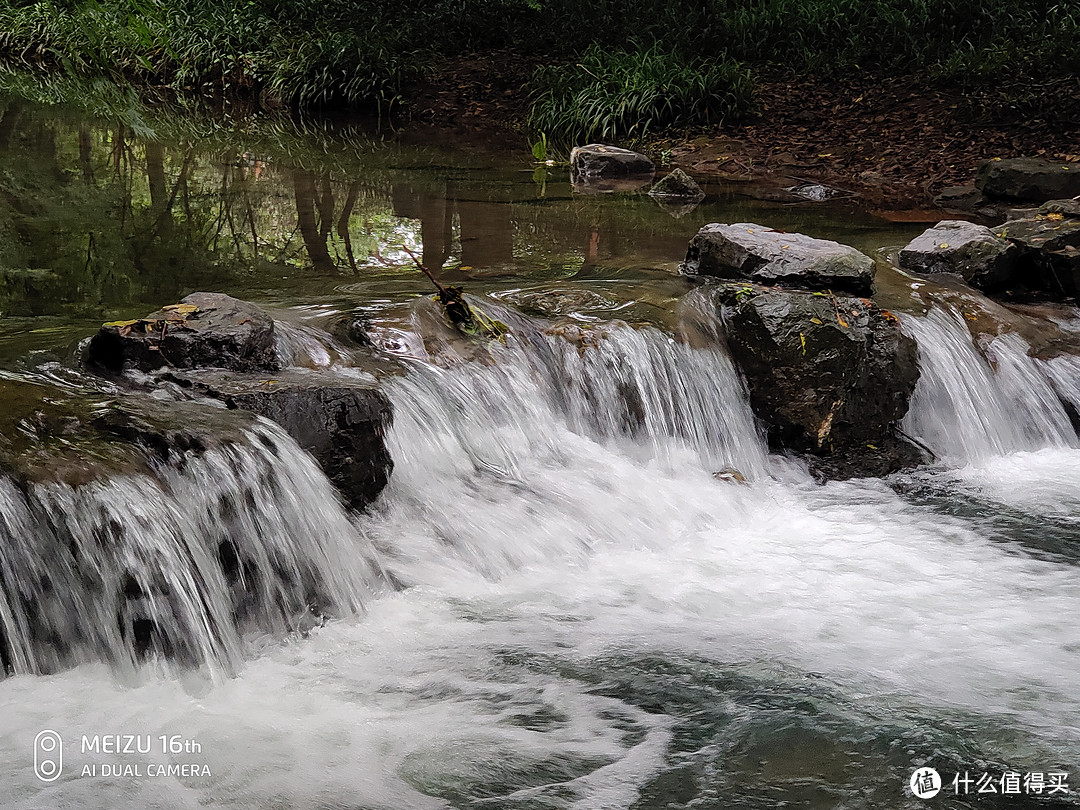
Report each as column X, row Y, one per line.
column 968, row 407
column 246, row 539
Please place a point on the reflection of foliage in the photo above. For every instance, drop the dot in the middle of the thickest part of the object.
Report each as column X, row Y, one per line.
column 95, row 218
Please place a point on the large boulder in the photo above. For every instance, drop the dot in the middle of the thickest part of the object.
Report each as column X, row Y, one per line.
column 766, row 256
column 342, row 422
column 599, row 161
column 1028, row 179
column 828, row 375
column 205, row 330
column 973, row 252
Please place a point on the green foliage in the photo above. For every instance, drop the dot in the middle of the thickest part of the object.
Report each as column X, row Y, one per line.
column 626, row 93
column 321, row 52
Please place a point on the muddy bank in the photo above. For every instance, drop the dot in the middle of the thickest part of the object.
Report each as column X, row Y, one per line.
column 895, row 143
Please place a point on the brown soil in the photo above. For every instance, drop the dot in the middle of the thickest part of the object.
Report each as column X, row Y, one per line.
column 895, row 143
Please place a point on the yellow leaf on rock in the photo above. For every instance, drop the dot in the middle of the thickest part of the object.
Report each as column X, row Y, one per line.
column 944, row 245
column 181, row 309
column 1055, row 217
column 122, row 324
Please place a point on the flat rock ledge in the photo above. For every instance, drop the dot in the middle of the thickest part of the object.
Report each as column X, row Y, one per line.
column 762, row 255
column 1026, row 178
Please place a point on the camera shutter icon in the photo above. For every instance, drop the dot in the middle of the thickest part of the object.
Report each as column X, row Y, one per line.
column 48, row 756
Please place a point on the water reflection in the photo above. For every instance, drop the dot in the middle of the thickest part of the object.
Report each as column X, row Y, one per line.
column 102, row 220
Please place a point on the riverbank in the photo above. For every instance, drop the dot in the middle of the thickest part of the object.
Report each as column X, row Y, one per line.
column 895, row 143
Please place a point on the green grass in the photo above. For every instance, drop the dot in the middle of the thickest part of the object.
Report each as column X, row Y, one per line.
column 614, row 94
column 318, row 53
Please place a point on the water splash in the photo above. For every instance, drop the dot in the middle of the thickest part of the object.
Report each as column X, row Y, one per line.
column 246, row 539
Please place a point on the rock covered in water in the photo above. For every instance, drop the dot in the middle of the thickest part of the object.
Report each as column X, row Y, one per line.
column 1028, row 179
column 205, row 330
column 974, row 252
column 678, row 185
column 57, row 435
column 828, row 375
column 600, row 161
column 341, row 422
column 766, row 256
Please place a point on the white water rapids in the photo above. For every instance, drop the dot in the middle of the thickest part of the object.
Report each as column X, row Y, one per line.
column 586, row 618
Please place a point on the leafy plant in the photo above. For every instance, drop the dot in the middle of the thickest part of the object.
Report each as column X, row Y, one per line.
column 626, row 93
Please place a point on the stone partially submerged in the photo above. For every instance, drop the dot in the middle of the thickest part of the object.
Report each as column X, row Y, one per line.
column 598, row 161
column 204, row 330
column 762, row 255
column 678, row 185
column 973, row 252
column 828, row 375
column 1035, row 256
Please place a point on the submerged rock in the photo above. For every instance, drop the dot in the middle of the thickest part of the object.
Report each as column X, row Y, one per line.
column 599, row 161
column 973, row 252
column 61, row 436
column 205, row 330
column 1028, row 179
column 765, row 256
column 828, row 375
column 678, row 185
column 341, row 422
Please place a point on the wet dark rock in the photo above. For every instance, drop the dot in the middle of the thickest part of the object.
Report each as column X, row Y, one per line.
column 54, row 435
column 341, row 422
column 167, row 431
column 1028, row 179
column 678, row 185
column 1069, row 209
column 1050, row 255
column 353, row 327
column 828, row 375
column 973, row 252
column 960, row 198
column 206, row 330
column 765, row 256
column 598, row 161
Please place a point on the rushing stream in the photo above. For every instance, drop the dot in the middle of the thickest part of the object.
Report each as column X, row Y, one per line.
column 555, row 603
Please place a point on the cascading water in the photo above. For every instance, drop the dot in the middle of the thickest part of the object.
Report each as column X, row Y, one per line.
column 245, row 538
column 967, row 410
column 589, row 619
